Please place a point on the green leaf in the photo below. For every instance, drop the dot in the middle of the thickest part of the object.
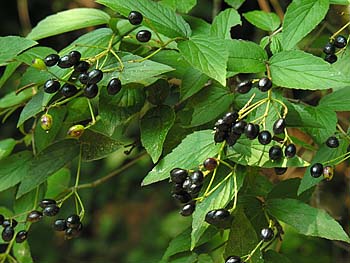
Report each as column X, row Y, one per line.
column 300, row 70
column 13, row 46
column 162, row 18
column 235, row 3
column 67, row 21
column 184, row 156
column 21, row 251
column 263, row 20
column 252, row 153
column 301, row 17
column 192, row 82
column 306, row 219
column 276, row 44
column 156, row 123
column 242, row 239
column 14, row 168
column 58, row 183
column 97, row 146
column 199, row 26
column 33, row 107
column 272, row 256
column 182, row 6
column 206, row 54
column 43, row 166
column 339, row 2
column 245, row 57
column 12, row 99
column 205, row 258
column 301, row 115
column 223, row 22
column 6, row 147
column 337, row 101
column 9, row 70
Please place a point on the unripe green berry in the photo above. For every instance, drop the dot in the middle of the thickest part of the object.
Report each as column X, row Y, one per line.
column 46, row 122
column 76, row 131
column 38, row 63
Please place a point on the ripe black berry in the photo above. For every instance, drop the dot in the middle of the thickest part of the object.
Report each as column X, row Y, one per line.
column 186, row 184
column 230, row 117
column 182, row 197
column 210, row 164
column 51, row 86
column 2, row 218
column 135, row 18
column 114, row 86
column 73, row 221
column 232, row 138
column 329, row 48
column 143, row 35
column 34, row 216
column 244, row 87
column 233, row 259
column 51, row 60
column 251, row 131
column 94, row 76
column 91, row 91
column 60, row 225
column 82, row 66
column 279, row 126
column 10, row 222
column 280, row 170
column 83, row 78
column 266, row 234
column 188, row 209
column 264, row 84
column 275, row 153
column 177, row 188
column 68, row 90
column 221, row 125
column 239, row 126
column 264, row 137
column 332, row 142
column 65, row 62
column 220, row 218
column 219, row 136
column 74, row 57
column 328, row 173
column 331, row 58
column 45, row 202
column 316, row 170
column 178, row 175
column 196, row 177
column 51, row 210
column 194, row 189
column 73, row 232
column 290, row 150
column 340, row 41
column 7, row 233
column 21, row 236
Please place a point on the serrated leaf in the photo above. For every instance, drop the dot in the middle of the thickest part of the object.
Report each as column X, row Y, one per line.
column 301, row 17
column 272, row 256
column 235, row 3
column 242, row 239
column 6, row 147
column 13, row 46
column 14, row 168
column 192, row 82
column 301, row 115
column 306, row 219
column 206, row 54
column 184, row 156
column 221, row 27
column 276, row 45
column 156, row 123
column 160, row 17
column 300, row 70
column 57, row 183
column 68, row 20
column 42, row 166
column 199, row 26
column 182, row 6
column 337, row 101
column 263, row 20
column 245, row 57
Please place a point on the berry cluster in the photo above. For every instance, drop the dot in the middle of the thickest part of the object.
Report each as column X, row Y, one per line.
column 330, row 48
column 8, row 231
column 317, row 169
column 263, row 84
column 136, row 18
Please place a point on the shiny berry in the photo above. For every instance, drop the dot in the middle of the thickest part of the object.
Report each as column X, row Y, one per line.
column 232, row 138
column 46, row 202
column 266, row 234
column 275, row 153
column 239, row 126
column 46, row 122
column 290, row 150
column 82, row 66
column 194, row 189
column 114, row 86
column 74, row 57
column 221, row 125
column 264, row 137
column 83, row 78
column 331, row 58
column 219, row 136
column 135, row 18
column 65, row 62
column 51, row 60
column 340, row 41
column 21, row 236
column 143, row 35
column 7, row 233
column 51, row 210
column 244, row 86
column 210, row 164
column 279, row 126
column 95, row 76
column 220, row 218
column 329, row 48
column 186, row 184
column 332, row 142
column 2, row 218
column 316, row 170
column 251, row 131
column 10, row 222
column 233, row 259
column 280, row 170
column 230, row 117
column 73, row 232
column 38, row 63
column 264, row 84
column 73, row 221
column 34, row 216
column 197, row 177
column 188, row 209
column 177, row 188
column 182, row 197
column 51, row 86
column 68, row 90
column 91, row 91
column 60, row 225
column 76, row 131
column 178, row 175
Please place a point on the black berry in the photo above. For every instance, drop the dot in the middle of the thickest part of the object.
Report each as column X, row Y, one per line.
column 10, row 222
column 65, row 62
column 188, row 209
column 210, row 164
column 51, row 60
column 182, row 197
column 266, row 234
column 244, row 87
column 177, row 188
column 230, row 117
column 251, row 131
column 332, row 142
column 194, row 189
column 83, row 78
column 340, row 41
column 232, row 138
column 51, row 210
column 82, row 66
column 220, row 218
column 219, row 136
column 7, row 233
column 316, row 170
column 187, row 184
column 21, row 236
column 73, row 232
column 143, row 35
column 68, row 90
column 221, row 125
column 60, row 225
column 331, row 58
column 275, row 153
column 279, row 126
column 329, row 48
column 94, row 76
column 290, row 150
column 264, row 137
column 280, row 170
column 196, row 177
column 34, row 216
column 2, row 218
column 91, row 91
column 51, row 86
column 264, row 84
column 178, row 175
column 46, row 202
column 114, row 86
column 74, row 57
column 238, row 127
column 135, row 18
column 73, row 221
column 233, row 259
